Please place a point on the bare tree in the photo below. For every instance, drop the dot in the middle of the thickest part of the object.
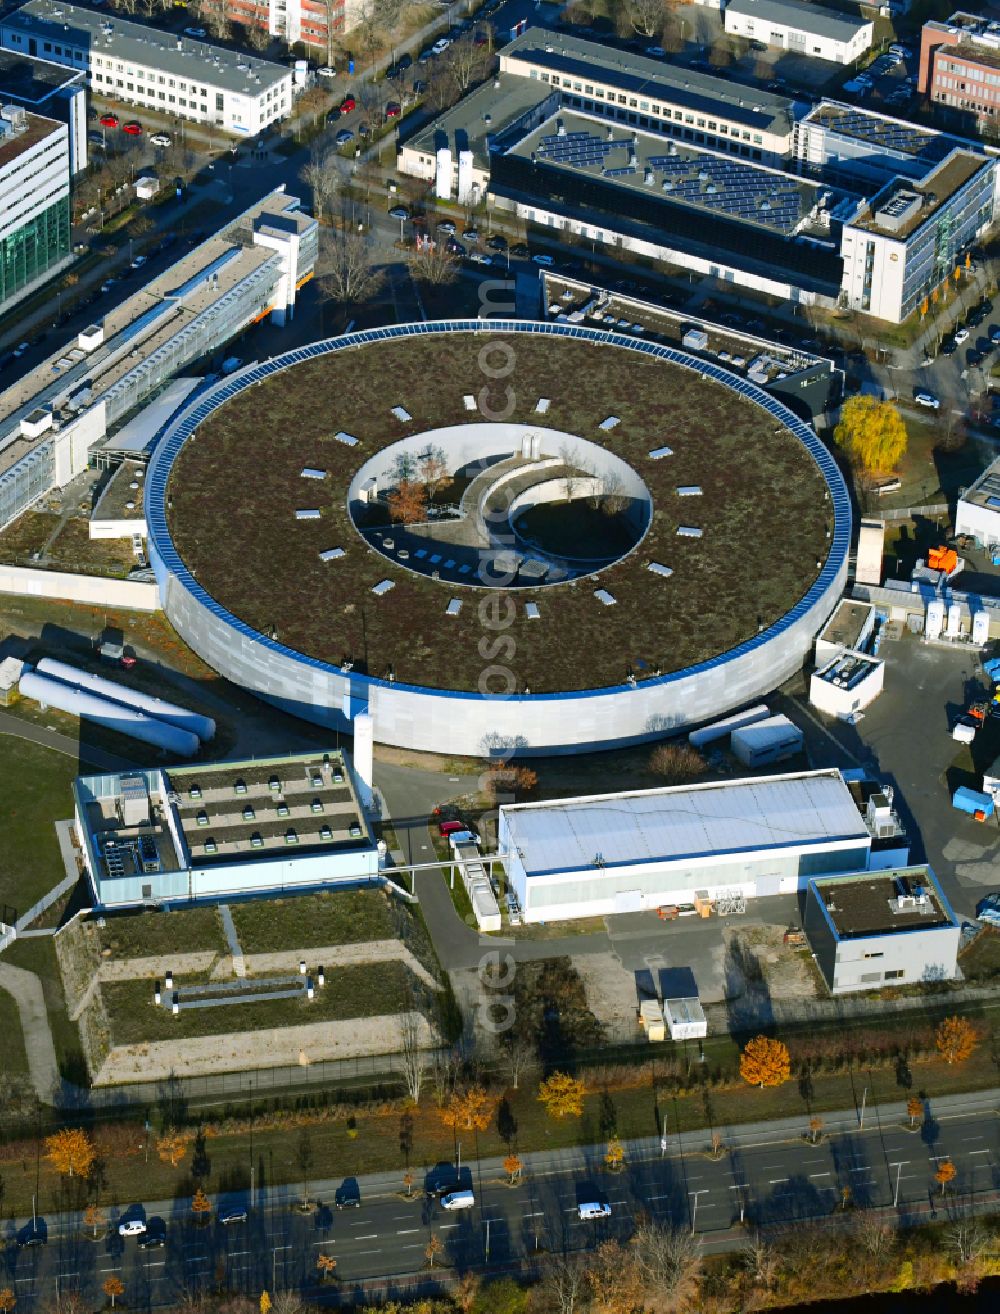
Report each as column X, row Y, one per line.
column 642, row 16
column 465, row 62
column 321, row 173
column 613, row 498
column 432, row 262
column 760, row 1261
column 565, row 1283
column 413, row 1056
column 517, row 1053
column 876, row 1234
column 350, row 274
column 671, row 1262
column 444, row 1074
column 967, row 1239
column 571, row 478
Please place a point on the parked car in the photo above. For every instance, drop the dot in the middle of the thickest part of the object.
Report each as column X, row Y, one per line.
column 458, row 1200
column 159, row 139
column 450, row 827
column 32, row 1234
column 393, row 109
column 471, row 234
column 546, row 261
column 348, row 104
column 927, row 399
column 326, row 72
column 520, row 249
column 20, row 349
column 973, row 358
column 108, row 120
column 440, row 45
column 497, row 242
column 480, row 258
column 348, row 1194
column 344, row 136
column 995, row 335
column 155, row 1235
column 456, row 248
column 333, row 115
column 592, row 1209
column 446, row 226
column 197, row 32
column 657, row 52
column 133, row 128
column 232, row 1214
column 139, row 261
column 131, row 1225
column 399, row 212
column 961, row 335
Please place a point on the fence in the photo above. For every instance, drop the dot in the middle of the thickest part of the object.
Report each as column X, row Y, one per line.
column 908, row 512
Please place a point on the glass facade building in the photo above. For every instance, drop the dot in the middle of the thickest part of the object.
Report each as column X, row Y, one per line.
column 27, row 254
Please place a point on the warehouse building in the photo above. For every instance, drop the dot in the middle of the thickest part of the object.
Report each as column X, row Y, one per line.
column 52, row 91
column 618, row 853
column 801, row 28
column 34, row 202
column 869, row 929
column 136, row 65
column 54, row 419
column 212, row 831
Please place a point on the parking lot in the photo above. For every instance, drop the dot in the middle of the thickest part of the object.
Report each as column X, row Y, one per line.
column 905, row 737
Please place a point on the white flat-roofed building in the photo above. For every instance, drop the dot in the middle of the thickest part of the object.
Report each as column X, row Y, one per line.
column 616, row 853
column 143, row 66
column 34, row 202
column 52, row 91
column 978, row 510
column 873, row 929
column 803, row 29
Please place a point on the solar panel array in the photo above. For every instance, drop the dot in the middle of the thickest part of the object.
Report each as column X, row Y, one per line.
column 883, row 132
column 735, row 189
column 579, row 148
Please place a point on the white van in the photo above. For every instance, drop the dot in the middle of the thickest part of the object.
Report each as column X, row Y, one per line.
column 458, row 1200
column 593, row 1209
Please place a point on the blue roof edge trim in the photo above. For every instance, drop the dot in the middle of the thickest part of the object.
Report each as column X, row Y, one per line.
column 174, row 438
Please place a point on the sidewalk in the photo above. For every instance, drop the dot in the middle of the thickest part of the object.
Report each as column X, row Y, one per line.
column 588, row 1158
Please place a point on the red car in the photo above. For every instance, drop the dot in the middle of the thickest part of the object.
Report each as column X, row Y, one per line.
column 451, row 827
column 108, row 120
column 134, row 129
column 347, row 104
column 393, row 110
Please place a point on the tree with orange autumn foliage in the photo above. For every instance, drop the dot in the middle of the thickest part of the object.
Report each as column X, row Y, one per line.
column 512, row 1167
column 71, row 1152
column 944, row 1173
column 172, row 1148
column 955, row 1039
column 113, row 1288
column 765, row 1062
column 914, row 1110
column 468, row 1110
column 408, row 502
column 562, row 1095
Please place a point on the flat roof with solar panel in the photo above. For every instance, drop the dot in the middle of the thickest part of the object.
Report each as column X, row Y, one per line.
column 639, row 161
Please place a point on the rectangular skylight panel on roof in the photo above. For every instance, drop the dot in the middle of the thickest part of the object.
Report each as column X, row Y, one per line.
column 310, row 513
column 688, row 531
column 531, row 610
column 346, row 438
column 383, row 586
column 331, row 554
column 659, row 569
column 659, row 452
column 612, row 420
column 310, row 473
column 401, row 414
column 603, row 596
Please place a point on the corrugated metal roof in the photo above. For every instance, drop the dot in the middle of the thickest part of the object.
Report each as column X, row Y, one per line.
column 659, row 825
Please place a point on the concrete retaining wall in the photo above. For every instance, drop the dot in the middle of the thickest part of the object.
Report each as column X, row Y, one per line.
column 90, row 589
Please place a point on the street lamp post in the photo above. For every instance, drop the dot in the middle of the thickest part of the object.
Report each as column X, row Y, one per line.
column 694, row 1206
column 899, row 1170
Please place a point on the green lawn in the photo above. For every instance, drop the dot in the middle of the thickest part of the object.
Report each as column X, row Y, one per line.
column 34, row 793
column 362, row 990
column 312, row 921
column 144, row 934
column 38, row 955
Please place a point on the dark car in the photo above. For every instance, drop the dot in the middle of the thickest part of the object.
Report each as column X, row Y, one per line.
column 497, row 243
column 520, row 249
column 973, row 358
column 348, row 1194
column 949, row 347
column 393, row 109
column 334, row 114
column 35, row 1233
column 155, row 1237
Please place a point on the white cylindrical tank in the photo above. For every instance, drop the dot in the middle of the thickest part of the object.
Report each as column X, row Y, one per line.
column 102, row 711
column 935, row 619
column 300, row 74
column 954, row 621
column 981, row 628
column 170, row 713
column 442, row 182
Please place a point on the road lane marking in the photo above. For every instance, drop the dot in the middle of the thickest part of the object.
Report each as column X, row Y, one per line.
column 775, row 1181
column 812, row 1175
column 972, row 1152
column 540, row 1213
column 372, row 1236
column 407, row 1231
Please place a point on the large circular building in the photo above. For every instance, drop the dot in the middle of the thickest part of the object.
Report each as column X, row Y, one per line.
column 497, row 536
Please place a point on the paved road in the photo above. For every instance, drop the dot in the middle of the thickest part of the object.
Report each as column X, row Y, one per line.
column 40, row 734
column 767, row 1170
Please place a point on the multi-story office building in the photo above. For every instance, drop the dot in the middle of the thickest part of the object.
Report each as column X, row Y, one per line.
column 50, row 90
column 34, row 201
column 142, row 66
column 54, row 419
column 646, row 93
column 311, row 22
column 960, row 68
column 905, row 241
column 803, row 29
